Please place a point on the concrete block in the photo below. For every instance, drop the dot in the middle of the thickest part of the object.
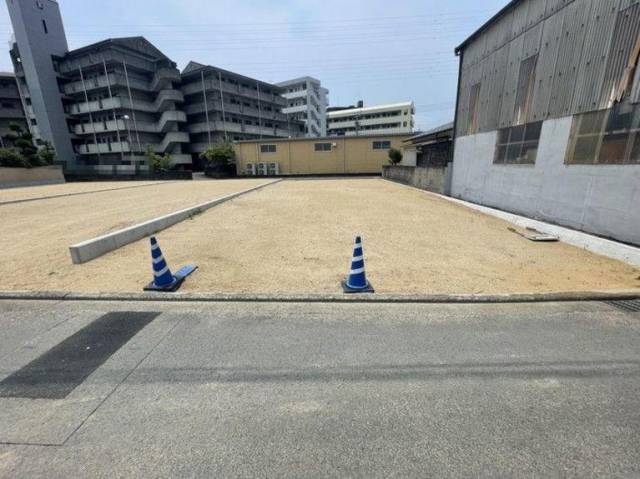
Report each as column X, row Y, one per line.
column 95, row 247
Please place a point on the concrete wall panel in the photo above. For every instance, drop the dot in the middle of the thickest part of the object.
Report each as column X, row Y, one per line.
column 600, row 199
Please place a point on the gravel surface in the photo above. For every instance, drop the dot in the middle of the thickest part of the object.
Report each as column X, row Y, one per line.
column 297, row 236
column 33, row 192
column 36, row 236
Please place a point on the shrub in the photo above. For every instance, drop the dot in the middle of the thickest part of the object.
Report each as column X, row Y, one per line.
column 395, row 156
column 12, row 158
column 23, row 142
column 46, row 154
column 221, row 155
column 158, row 162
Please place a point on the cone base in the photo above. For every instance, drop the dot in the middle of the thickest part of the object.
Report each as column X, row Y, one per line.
column 349, row 290
column 178, row 279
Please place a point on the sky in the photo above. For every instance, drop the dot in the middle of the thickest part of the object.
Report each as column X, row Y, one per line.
column 379, row 51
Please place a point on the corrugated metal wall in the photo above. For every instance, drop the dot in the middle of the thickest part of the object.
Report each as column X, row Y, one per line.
column 582, row 46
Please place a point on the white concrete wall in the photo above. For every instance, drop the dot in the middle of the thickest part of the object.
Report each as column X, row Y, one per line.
column 409, row 157
column 18, row 177
column 600, row 199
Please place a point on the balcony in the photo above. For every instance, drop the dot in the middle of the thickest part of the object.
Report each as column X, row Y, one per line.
column 171, row 139
column 167, row 121
column 103, row 148
column 163, row 78
column 167, row 98
column 100, row 82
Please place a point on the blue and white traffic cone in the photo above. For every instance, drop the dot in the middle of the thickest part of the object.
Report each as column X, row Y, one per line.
column 357, row 280
column 163, row 280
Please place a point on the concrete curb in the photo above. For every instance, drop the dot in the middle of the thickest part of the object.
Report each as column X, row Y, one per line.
column 326, row 298
column 65, row 195
column 95, row 247
column 611, row 249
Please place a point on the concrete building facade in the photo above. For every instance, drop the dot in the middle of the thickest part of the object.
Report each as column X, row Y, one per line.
column 316, row 156
column 121, row 97
column 307, row 101
column 11, row 110
column 100, row 105
column 396, row 118
column 39, row 37
column 224, row 106
column 548, row 114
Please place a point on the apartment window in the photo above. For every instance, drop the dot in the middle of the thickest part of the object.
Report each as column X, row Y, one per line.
column 268, row 148
column 474, row 106
column 322, row 146
column 606, row 137
column 524, row 92
column 44, row 26
column 381, row 145
column 518, row 145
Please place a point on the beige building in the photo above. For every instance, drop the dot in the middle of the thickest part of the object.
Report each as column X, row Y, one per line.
column 316, row 156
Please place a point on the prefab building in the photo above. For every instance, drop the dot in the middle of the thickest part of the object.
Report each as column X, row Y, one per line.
column 349, row 155
column 548, row 114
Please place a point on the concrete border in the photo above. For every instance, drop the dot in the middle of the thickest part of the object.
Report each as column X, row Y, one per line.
column 326, row 298
column 65, row 195
column 95, row 247
column 595, row 244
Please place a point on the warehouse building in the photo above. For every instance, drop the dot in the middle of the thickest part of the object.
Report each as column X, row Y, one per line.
column 548, row 114
column 11, row 110
column 307, row 101
column 316, row 156
column 225, row 106
column 396, row 118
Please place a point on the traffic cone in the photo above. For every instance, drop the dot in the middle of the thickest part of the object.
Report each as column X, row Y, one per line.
column 357, row 280
column 163, row 280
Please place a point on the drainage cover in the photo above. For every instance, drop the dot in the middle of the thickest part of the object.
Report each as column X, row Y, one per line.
column 631, row 305
column 60, row 370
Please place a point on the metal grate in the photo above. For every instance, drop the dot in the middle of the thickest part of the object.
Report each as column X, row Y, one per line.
column 631, row 305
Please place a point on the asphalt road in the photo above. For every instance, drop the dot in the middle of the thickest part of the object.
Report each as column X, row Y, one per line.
column 324, row 390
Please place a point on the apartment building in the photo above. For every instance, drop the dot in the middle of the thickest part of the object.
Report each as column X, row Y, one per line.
column 396, row 118
column 548, row 114
column 224, row 106
column 100, row 105
column 11, row 110
column 307, row 101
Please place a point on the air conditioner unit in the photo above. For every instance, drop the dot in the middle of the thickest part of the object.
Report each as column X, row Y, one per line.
column 250, row 169
column 262, row 169
column 274, row 169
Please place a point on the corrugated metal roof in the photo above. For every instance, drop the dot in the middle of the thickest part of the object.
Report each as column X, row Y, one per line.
column 486, row 25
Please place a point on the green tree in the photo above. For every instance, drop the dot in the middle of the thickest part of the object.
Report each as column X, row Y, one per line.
column 23, row 142
column 46, row 154
column 158, row 162
column 220, row 156
column 395, row 156
column 11, row 158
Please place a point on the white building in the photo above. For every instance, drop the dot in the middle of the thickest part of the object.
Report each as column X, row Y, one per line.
column 307, row 101
column 371, row 120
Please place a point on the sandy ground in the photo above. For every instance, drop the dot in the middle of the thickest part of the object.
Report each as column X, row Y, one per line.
column 30, row 192
column 297, row 236
column 35, row 236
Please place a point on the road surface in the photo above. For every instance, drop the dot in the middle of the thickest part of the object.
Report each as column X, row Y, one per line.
column 318, row 390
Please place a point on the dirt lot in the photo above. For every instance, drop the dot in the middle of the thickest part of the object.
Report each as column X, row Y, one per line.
column 31, row 192
column 35, row 236
column 297, row 236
